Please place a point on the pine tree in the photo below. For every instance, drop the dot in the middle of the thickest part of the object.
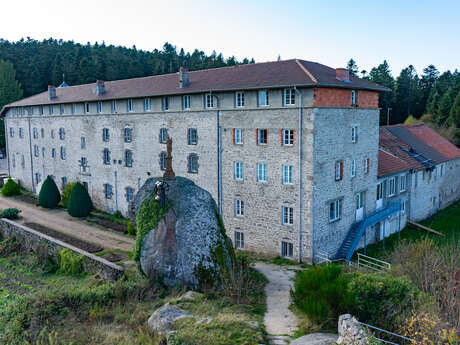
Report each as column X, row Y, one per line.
column 352, row 67
column 49, row 195
column 382, row 75
column 80, row 204
column 454, row 117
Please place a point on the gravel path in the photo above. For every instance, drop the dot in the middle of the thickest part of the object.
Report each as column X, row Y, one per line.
column 59, row 220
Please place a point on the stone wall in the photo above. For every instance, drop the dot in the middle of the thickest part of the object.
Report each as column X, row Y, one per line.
column 351, row 332
column 33, row 240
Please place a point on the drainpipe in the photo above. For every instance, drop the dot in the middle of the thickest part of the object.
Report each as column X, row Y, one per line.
column 116, row 191
column 219, row 155
column 7, row 151
column 300, row 173
column 31, row 158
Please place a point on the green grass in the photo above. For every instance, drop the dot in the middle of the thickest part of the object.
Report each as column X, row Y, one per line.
column 113, row 218
column 447, row 221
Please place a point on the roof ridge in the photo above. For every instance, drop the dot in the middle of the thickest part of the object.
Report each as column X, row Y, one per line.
column 306, row 71
column 391, row 154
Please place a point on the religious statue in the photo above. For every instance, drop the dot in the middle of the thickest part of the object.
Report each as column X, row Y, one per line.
column 169, row 173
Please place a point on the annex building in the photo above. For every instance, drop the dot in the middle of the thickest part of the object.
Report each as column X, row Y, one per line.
column 289, row 150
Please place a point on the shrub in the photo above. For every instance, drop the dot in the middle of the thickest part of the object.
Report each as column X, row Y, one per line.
column 80, row 204
column 322, row 293
column 10, row 213
column 118, row 214
column 70, row 262
column 11, row 188
column 49, row 195
column 65, row 195
column 131, row 230
column 9, row 246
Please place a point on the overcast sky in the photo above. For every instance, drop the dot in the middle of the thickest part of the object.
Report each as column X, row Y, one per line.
column 331, row 32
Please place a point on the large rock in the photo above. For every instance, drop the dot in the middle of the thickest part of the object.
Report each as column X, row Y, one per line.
column 187, row 240
column 351, row 332
column 162, row 320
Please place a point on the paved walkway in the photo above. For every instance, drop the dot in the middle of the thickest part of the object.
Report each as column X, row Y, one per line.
column 59, row 220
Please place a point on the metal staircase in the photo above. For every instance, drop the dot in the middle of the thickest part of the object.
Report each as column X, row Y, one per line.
column 351, row 241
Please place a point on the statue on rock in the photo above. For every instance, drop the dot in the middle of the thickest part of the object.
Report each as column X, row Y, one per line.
column 180, row 236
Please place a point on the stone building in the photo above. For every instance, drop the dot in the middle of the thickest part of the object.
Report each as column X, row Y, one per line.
column 288, row 149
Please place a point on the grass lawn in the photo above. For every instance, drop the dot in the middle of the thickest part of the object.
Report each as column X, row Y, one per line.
column 447, row 221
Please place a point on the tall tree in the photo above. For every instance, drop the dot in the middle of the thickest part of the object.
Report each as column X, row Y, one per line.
column 407, row 95
column 382, row 75
column 454, row 117
column 352, row 67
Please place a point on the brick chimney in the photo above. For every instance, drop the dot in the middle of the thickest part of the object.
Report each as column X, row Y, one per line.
column 100, row 87
column 183, row 77
column 342, row 74
column 51, row 92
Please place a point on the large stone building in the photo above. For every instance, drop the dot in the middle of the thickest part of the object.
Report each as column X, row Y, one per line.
column 288, row 149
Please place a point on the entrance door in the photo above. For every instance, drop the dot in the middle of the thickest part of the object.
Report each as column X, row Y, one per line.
column 379, row 202
column 359, row 206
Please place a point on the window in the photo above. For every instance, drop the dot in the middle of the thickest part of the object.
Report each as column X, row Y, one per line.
column 263, row 98
column 239, row 99
column 64, row 180
column 43, row 152
column 338, row 171
column 163, row 135
column 380, row 191
column 287, row 249
column 163, row 160
column 11, row 132
column 192, row 136
column 23, row 162
column 287, row 137
column 35, row 133
column 21, row 133
column 61, row 109
column 38, row 178
column 129, row 194
column 42, row 132
column 238, row 136
column 185, row 102
column 360, row 197
column 63, row 153
column 41, row 110
column 353, row 168
column 366, row 165
column 354, row 134
column 14, row 161
column 402, row 182
column 209, row 101
column 193, row 163
column 36, row 151
column 86, row 106
column 83, row 142
column 74, row 108
column 99, row 107
column 335, row 210
column 261, row 172
column 239, row 240
column 51, row 110
column 53, row 153
column 30, row 110
column 52, row 134
column 128, row 158
column 129, row 105
column 403, row 207
column 108, row 191
column 84, row 162
column 147, row 105
column 106, row 157
column 353, row 97
column 289, row 97
column 105, row 134
column 238, row 170
column 165, row 103
column 287, row 215
column 287, row 174
column 61, row 133
column 114, row 107
column 128, row 134
column 392, row 189
column 262, row 136
column 239, row 208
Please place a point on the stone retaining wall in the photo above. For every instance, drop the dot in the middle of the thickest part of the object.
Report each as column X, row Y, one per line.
column 32, row 240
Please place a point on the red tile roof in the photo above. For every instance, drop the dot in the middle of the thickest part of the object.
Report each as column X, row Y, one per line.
column 390, row 164
column 436, row 141
column 241, row 77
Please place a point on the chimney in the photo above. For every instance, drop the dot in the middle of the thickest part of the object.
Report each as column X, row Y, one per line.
column 51, row 92
column 100, row 87
column 183, row 77
column 342, row 74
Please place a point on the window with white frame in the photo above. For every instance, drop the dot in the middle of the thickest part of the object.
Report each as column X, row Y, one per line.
column 83, row 142
column 209, row 101
column 147, row 104
column 61, row 109
column 40, row 110
column 165, row 103
column 239, row 208
column 335, row 210
column 21, row 132
column 238, row 136
column 239, row 99
column 287, row 215
column 287, row 249
column 380, row 191
column 353, row 167
column 35, row 133
column 36, row 150
column 403, row 206
column 74, row 108
column 289, row 97
column 392, row 186
column 287, row 172
column 108, row 191
column 105, row 134
column 11, row 132
column 402, row 183
column 99, row 107
column 163, row 160
column 193, row 163
column 128, row 158
column 114, row 107
column 263, row 98
column 128, row 134
column 354, row 100
column 185, row 102
column 163, row 135
column 262, row 136
column 129, row 194
column 261, row 172
column 192, row 136
column 106, row 156
column 287, row 137
column 51, row 110
column 338, row 171
column 63, row 153
column 238, row 170
column 129, row 105
column 366, row 165
column 61, row 133
column 239, row 240
column 354, row 134
column 86, row 106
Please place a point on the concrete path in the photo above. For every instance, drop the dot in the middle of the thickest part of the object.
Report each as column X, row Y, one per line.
column 59, row 220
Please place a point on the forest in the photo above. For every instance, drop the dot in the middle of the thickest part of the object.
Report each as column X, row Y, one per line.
column 28, row 66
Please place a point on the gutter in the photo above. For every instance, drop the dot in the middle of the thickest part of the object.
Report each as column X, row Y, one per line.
column 219, row 154
column 31, row 158
column 7, row 149
column 300, row 119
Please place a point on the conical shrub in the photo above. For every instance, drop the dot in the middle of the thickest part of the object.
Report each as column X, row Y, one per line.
column 49, row 195
column 80, row 204
column 11, row 188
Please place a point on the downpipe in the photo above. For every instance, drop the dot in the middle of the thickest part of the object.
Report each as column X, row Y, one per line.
column 299, row 141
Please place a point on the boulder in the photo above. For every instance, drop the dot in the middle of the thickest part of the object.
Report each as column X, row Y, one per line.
column 190, row 296
column 162, row 320
column 351, row 332
column 188, row 245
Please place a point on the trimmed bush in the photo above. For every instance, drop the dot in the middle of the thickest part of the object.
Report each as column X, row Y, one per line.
column 71, row 263
column 130, row 228
column 65, row 195
column 11, row 188
column 80, row 204
column 49, row 195
column 10, row 213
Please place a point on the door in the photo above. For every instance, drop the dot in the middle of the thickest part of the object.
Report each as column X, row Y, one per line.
column 379, row 202
column 359, row 206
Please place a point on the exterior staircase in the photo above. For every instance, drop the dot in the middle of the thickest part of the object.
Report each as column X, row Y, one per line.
column 351, row 241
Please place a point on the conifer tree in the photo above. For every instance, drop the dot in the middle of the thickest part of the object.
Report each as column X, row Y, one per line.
column 49, row 195
column 79, row 204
